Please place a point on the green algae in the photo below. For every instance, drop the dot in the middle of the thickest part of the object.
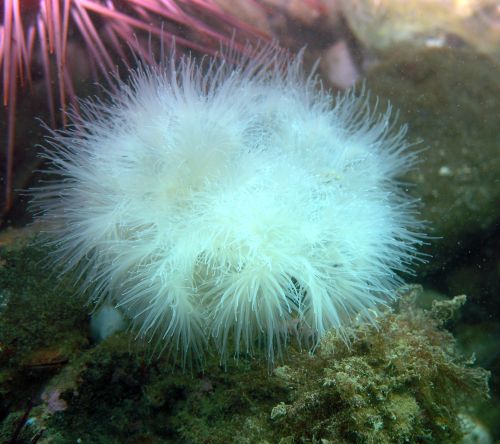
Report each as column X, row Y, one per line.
column 42, row 325
column 400, row 381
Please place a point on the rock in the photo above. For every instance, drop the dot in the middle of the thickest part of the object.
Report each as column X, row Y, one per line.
column 381, row 25
column 449, row 98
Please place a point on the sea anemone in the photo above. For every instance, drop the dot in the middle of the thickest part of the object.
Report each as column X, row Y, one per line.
column 228, row 202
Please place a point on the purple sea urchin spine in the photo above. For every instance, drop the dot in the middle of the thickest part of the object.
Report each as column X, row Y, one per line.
column 52, row 37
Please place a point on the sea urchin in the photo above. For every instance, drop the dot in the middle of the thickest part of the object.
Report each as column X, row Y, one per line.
column 225, row 202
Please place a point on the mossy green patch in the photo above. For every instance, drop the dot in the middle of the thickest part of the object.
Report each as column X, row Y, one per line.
column 402, row 380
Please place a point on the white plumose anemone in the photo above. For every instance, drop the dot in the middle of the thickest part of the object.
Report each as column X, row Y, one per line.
column 231, row 202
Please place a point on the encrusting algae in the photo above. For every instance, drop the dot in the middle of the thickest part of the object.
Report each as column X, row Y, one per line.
column 401, row 381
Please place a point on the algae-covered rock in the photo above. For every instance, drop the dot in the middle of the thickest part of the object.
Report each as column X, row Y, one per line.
column 449, row 98
column 43, row 324
column 399, row 381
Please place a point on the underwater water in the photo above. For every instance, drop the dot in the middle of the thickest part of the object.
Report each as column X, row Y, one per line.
column 407, row 352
